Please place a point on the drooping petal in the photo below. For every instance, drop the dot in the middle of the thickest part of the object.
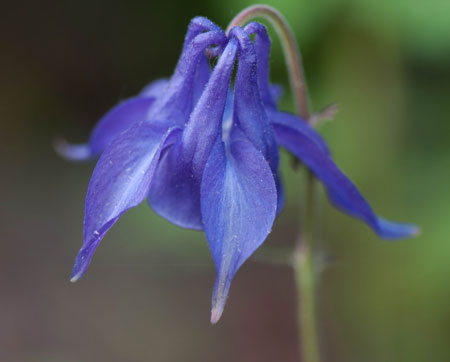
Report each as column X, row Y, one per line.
column 249, row 112
column 341, row 191
column 120, row 181
column 177, row 102
column 269, row 92
column 295, row 122
column 262, row 48
column 107, row 129
column 206, row 119
column 250, row 115
column 239, row 202
column 397, row 230
column 175, row 192
column 386, row 229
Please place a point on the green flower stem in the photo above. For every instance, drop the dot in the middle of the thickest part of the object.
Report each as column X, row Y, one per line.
column 303, row 258
column 305, row 275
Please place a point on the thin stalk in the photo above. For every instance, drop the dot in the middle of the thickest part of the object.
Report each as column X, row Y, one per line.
column 303, row 258
column 305, row 275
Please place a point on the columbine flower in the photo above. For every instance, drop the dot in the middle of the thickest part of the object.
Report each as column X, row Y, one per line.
column 206, row 155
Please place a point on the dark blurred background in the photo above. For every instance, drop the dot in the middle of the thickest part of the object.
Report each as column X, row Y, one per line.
column 147, row 294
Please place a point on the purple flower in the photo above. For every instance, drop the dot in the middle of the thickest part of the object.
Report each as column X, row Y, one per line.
column 204, row 153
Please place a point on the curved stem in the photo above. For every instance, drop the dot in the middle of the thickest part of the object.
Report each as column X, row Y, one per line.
column 303, row 258
column 290, row 49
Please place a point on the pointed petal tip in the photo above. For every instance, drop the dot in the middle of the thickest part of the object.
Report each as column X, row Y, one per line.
column 219, row 300
column 389, row 230
column 74, row 279
column 216, row 313
column 77, row 271
column 412, row 231
column 70, row 151
column 416, row 231
column 81, row 264
column 76, row 276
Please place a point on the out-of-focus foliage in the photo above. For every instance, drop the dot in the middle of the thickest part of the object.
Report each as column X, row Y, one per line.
column 421, row 27
column 147, row 296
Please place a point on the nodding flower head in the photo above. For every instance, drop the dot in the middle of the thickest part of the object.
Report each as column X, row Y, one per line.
column 204, row 153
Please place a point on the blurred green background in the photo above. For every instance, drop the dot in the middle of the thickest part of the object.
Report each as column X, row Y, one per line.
column 147, row 294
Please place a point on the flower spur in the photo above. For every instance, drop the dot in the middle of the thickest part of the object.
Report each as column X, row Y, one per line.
column 206, row 157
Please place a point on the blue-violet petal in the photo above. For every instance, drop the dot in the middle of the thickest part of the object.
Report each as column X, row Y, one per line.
column 239, row 202
column 117, row 120
column 175, row 192
column 341, row 191
column 120, row 181
column 249, row 112
column 177, row 102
